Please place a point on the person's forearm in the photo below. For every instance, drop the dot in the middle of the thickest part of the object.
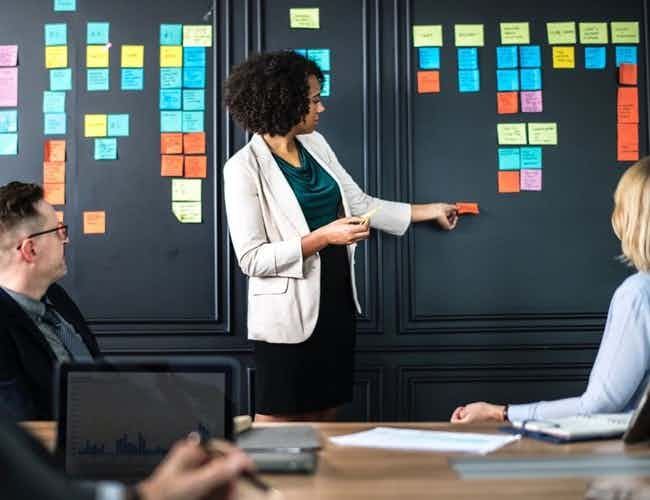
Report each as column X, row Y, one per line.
column 422, row 212
column 313, row 242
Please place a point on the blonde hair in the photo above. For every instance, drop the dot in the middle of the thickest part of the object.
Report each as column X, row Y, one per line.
column 631, row 215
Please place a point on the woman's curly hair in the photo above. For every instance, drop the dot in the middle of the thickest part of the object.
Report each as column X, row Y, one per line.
column 269, row 93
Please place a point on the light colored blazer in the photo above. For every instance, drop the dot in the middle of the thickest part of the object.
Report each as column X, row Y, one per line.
column 266, row 225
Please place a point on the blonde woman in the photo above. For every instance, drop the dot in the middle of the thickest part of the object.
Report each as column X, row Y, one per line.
column 621, row 370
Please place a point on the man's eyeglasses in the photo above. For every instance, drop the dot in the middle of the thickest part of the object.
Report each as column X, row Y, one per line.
column 61, row 229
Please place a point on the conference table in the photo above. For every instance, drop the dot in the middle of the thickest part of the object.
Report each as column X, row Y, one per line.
column 362, row 473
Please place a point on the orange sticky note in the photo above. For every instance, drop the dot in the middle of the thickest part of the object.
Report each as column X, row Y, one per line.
column 428, row 82
column 95, row 222
column 627, row 74
column 508, row 181
column 171, row 165
column 54, row 193
column 467, row 208
column 171, row 144
column 507, row 103
column 54, row 150
column 196, row 166
column 59, row 216
column 627, row 105
column 53, row 172
column 627, row 148
column 194, row 143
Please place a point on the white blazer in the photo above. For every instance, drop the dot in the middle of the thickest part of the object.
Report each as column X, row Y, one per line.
column 266, row 225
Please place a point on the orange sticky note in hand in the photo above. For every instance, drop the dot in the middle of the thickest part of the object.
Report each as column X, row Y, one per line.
column 194, row 143
column 53, row 172
column 507, row 103
column 627, row 74
column 54, row 150
column 508, row 181
column 467, row 208
column 171, row 165
column 428, row 82
column 196, row 166
column 95, row 222
column 54, row 194
column 171, row 144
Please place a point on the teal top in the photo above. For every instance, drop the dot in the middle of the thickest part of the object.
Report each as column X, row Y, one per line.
column 317, row 193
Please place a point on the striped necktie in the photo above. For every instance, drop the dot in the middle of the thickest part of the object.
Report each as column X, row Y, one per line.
column 67, row 335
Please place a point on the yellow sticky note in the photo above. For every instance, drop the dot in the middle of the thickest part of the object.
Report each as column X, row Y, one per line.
column 197, row 35
column 132, row 56
column 56, row 56
column 593, row 33
column 95, row 125
column 427, row 36
column 187, row 212
column 304, row 18
column 511, row 133
column 625, row 32
column 186, row 189
column 171, row 56
column 515, row 33
column 96, row 56
column 561, row 33
column 564, row 57
column 469, row 35
column 542, row 133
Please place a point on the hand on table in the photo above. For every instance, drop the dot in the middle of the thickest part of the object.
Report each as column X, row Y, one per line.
column 477, row 412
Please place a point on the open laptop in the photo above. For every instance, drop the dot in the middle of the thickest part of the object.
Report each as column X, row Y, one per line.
column 117, row 421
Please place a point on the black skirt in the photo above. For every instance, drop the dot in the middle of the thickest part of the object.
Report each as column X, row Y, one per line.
column 315, row 374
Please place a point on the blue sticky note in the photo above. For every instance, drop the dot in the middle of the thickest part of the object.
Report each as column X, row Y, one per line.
column 531, row 157
column 61, row 79
column 65, row 5
column 194, row 78
column 507, row 80
column 193, row 99
column 8, row 144
column 132, row 79
column 302, row 52
column 56, row 34
column 194, row 56
column 531, row 79
column 320, row 57
column 97, row 33
column 171, row 121
column 54, row 123
column 429, row 57
column 118, row 125
column 8, row 120
column 171, row 78
column 595, row 58
column 469, row 80
column 97, row 79
column 530, row 56
column 170, row 98
column 53, row 102
column 625, row 54
column 467, row 58
column 171, row 34
column 193, row 121
column 325, row 87
column 509, row 159
column 106, row 149
column 507, row 57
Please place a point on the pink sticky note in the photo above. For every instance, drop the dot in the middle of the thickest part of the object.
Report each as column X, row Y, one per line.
column 9, row 87
column 531, row 102
column 8, row 55
column 531, row 179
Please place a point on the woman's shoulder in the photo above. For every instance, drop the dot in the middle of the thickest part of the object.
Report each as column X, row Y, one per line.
column 243, row 158
column 635, row 287
column 314, row 139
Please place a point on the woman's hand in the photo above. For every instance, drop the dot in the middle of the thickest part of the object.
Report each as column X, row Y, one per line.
column 445, row 214
column 478, row 412
column 346, row 231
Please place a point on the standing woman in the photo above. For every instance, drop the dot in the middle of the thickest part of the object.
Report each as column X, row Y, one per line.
column 294, row 216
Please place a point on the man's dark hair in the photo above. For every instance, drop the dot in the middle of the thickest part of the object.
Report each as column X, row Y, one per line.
column 269, row 93
column 17, row 203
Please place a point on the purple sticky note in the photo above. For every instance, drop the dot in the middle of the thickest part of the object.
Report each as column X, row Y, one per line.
column 531, row 179
column 8, row 55
column 531, row 102
column 9, row 87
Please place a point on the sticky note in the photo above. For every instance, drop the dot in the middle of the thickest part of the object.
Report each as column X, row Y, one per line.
column 625, row 32
column 171, row 143
column 8, row 55
column 514, row 33
column 427, row 35
column 321, row 57
column 507, row 57
column 304, row 18
column 325, row 88
column 627, row 105
column 187, row 212
column 9, row 87
column 193, row 121
column 118, row 125
column 97, row 56
column 95, row 125
column 171, row 34
column 8, row 120
column 56, row 34
column 563, row 57
column 194, row 143
column 171, row 121
column 561, row 33
column 97, row 79
column 170, row 98
column 56, row 56
column 194, row 78
column 507, row 103
column 627, row 147
column 627, row 74
column 531, row 180
column 531, row 157
column 196, row 167
column 593, row 33
column 469, row 80
column 467, row 58
column 464, row 208
column 530, row 56
column 186, row 189
column 60, row 79
column 542, row 133
column 106, row 149
column 194, row 56
column 94, row 222
column 65, row 5
column 428, row 82
column 54, row 123
column 625, row 54
column 132, row 79
column 54, row 193
column 171, row 78
column 507, row 80
column 511, row 134
column 193, row 99
column 59, row 216
column 97, row 33
column 508, row 181
column 9, row 144
column 469, row 35
column 171, row 56
column 429, row 57
column 53, row 102
column 508, row 158
column 132, row 56
column 171, row 166
column 54, row 150
column 54, row 172
column 531, row 101
column 302, row 52
column 197, row 35
column 531, row 79
column 595, row 58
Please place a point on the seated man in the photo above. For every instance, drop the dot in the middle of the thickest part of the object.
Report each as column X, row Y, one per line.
column 39, row 324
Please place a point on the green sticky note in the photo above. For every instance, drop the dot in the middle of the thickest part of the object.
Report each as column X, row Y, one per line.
column 106, row 149
column 53, row 102
column 8, row 144
column 118, row 125
column 97, row 79
column 193, row 121
column 186, row 189
column 511, row 133
column 65, row 5
column 561, row 33
column 8, row 120
column 625, row 32
column 61, row 79
column 132, row 78
column 171, row 78
column 427, row 35
column 469, row 35
column 54, row 124
column 171, row 121
column 515, row 33
column 171, row 34
column 304, row 18
column 542, row 134
column 593, row 33
column 187, row 212
column 56, row 34
column 193, row 99
column 97, row 33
